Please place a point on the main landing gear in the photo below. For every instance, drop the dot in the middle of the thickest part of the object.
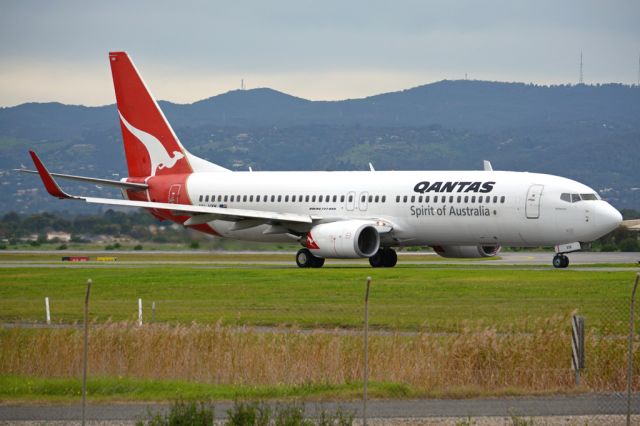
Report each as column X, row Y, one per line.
column 560, row 261
column 305, row 259
column 385, row 257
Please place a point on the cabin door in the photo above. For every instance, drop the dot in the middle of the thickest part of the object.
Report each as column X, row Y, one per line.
column 533, row 201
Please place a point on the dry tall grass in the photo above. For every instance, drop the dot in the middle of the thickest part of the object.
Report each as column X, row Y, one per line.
column 475, row 361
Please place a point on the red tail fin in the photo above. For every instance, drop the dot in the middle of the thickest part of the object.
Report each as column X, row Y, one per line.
column 150, row 145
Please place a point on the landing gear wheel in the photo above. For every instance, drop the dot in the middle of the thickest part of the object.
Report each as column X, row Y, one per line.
column 305, row 259
column 317, row 262
column 385, row 257
column 377, row 260
column 560, row 261
column 390, row 258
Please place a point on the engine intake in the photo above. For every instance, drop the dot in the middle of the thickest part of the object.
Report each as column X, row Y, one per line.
column 480, row 250
column 345, row 239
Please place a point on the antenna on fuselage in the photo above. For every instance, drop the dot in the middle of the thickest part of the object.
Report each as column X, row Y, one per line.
column 487, row 166
column 371, row 167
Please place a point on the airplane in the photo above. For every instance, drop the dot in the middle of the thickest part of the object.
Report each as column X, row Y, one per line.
column 352, row 214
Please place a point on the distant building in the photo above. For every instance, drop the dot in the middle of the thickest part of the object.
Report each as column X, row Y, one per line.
column 59, row 235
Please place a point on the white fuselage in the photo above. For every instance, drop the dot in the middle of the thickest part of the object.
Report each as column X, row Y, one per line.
column 505, row 208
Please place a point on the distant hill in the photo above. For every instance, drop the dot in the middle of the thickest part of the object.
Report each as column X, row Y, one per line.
column 590, row 133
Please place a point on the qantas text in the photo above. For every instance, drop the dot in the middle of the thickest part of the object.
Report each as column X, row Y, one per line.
column 482, row 187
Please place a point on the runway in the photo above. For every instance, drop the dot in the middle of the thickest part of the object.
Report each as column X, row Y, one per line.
column 264, row 260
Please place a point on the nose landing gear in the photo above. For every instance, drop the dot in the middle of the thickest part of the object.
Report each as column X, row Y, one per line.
column 560, row 261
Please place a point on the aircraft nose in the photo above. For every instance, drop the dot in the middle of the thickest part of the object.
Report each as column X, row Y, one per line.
column 608, row 217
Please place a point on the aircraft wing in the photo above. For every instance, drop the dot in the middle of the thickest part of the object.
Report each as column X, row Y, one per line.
column 199, row 214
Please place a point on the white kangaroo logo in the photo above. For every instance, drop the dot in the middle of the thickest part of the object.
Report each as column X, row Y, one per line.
column 159, row 156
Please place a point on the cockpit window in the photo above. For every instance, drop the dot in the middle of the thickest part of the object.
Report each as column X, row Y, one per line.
column 574, row 198
column 589, row 197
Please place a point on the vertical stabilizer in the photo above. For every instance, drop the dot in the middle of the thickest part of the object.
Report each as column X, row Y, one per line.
column 150, row 144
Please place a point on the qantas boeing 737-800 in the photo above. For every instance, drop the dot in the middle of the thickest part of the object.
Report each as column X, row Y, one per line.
column 340, row 214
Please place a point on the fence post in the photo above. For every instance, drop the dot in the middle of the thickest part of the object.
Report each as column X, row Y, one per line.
column 630, row 349
column 366, row 352
column 47, row 311
column 153, row 311
column 85, row 351
column 140, row 312
column 577, row 345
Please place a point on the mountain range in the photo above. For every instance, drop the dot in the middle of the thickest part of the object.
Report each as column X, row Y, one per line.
column 590, row 133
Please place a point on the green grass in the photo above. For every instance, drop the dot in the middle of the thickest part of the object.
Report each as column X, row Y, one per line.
column 401, row 298
column 115, row 389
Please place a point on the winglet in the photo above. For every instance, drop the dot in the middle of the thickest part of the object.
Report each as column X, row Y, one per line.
column 50, row 185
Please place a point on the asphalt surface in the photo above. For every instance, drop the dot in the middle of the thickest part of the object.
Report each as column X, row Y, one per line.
column 579, row 405
column 522, row 260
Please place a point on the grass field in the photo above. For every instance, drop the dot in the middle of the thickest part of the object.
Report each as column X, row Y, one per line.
column 481, row 330
column 406, row 298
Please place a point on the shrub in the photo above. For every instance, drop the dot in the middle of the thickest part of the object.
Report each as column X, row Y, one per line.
column 138, row 247
column 182, row 414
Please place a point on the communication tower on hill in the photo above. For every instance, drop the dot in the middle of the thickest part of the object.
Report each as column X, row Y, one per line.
column 581, row 75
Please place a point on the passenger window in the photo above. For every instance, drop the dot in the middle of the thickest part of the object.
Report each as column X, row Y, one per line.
column 327, row 198
column 313, row 199
column 335, row 198
column 575, row 198
column 342, row 198
column 473, row 198
column 239, row 198
column 293, row 198
column 350, row 198
column 426, row 199
column 306, row 198
column 459, row 199
column 370, row 198
column 384, row 198
column 244, row 198
column 377, row 199
column 397, row 198
column 200, row 198
column 286, row 198
column 251, row 198
column 466, row 198
column 232, row 198
column 266, row 198
column 273, row 198
column 435, row 199
column 320, row 198
column 420, row 199
column 451, row 199
column 502, row 199
column 279, row 198
column 206, row 199
column 413, row 198
column 495, row 199
column 404, row 199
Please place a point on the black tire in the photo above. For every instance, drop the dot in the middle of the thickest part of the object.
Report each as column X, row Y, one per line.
column 558, row 261
column 304, row 258
column 317, row 262
column 377, row 260
column 565, row 261
column 390, row 258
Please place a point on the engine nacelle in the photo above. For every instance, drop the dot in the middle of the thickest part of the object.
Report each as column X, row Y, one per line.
column 345, row 239
column 481, row 250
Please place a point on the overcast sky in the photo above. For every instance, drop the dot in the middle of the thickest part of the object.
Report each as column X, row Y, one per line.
column 190, row 50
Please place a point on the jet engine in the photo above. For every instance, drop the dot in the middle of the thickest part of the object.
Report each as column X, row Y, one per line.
column 343, row 239
column 481, row 250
